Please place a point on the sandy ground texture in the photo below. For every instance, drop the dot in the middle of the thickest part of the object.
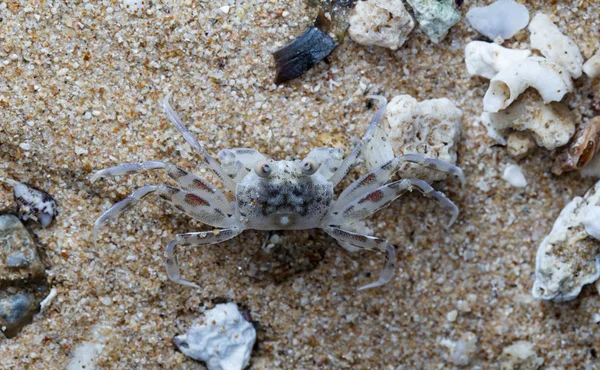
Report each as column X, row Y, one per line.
column 80, row 90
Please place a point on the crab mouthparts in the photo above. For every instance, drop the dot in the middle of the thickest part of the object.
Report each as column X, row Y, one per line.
column 284, row 219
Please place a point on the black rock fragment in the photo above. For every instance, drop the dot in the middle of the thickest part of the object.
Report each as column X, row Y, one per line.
column 300, row 55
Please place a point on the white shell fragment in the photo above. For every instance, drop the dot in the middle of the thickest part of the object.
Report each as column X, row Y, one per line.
column 502, row 19
column 33, row 203
column 223, row 339
column 380, row 22
column 554, row 45
column 551, row 125
column 592, row 66
column 514, row 176
column 592, row 223
column 568, row 257
column 486, row 59
column 549, row 79
column 430, row 128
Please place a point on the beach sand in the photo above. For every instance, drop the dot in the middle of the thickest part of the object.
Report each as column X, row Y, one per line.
column 80, row 90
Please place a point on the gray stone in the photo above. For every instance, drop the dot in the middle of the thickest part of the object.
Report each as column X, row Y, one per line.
column 16, row 311
column 19, row 258
column 435, row 17
column 22, row 276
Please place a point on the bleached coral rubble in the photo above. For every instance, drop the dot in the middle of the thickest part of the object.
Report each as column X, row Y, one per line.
column 525, row 91
column 550, row 125
column 550, row 80
column 430, row 128
column 554, row 45
column 380, row 22
column 569, row 257
column 486, row 59
column 223, row 339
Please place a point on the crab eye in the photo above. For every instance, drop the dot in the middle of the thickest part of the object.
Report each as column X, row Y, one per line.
column 262, row 169
column 309, row 167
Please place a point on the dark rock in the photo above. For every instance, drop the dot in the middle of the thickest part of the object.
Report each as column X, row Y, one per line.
column 302, row 54
column 16, row 311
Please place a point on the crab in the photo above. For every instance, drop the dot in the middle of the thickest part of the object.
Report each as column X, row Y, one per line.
column 281, row 195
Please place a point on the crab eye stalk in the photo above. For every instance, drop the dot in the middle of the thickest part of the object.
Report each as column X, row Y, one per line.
column 262, row 169
column 309, row 167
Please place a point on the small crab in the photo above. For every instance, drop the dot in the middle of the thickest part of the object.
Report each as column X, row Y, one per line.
column 280, row 195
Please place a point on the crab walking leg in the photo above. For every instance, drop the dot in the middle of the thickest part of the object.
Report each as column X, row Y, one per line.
column 381, row 175
column 184, row 179
column 199, row 148
column 369, row 243
column 194, row 239
column 349, row 161
column 187, row 202
column 375, row 200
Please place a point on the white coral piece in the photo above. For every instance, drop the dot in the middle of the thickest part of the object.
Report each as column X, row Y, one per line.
column 549, row 79
column 568, row 258
column 551, row 125
column 381, row 23
column 430, row 128
column 554, row 45
column 486, row 59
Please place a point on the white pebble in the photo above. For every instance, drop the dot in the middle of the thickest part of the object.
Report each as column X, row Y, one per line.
column 500, row 19
column 514, row 176
column 452, row 315
column 225, row 9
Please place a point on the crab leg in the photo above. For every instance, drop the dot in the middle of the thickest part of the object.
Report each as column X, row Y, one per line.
column 381, row 175
column 370, row 203
column 194, row 239
column 199, row 148
column 349, row 161
column 184, row 179
column 199, row 208
column 369, row 243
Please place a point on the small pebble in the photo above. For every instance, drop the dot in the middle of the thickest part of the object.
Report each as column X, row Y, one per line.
column 501, row 19
column 514, row 176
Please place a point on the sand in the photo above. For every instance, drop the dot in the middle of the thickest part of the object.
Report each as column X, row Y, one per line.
column 80, row 90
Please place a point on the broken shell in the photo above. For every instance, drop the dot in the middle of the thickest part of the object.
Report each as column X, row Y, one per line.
column 582, row 149
column 33, row 203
